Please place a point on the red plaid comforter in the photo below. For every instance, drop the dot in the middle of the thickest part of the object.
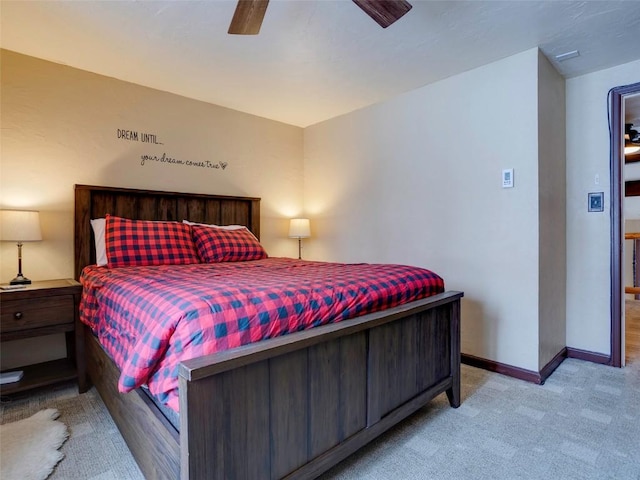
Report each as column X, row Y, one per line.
column 150, row 318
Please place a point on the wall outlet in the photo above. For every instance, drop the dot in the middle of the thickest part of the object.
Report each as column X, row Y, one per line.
column 507, row 178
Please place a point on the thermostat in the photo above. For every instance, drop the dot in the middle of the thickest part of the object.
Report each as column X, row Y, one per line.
column 507, row 178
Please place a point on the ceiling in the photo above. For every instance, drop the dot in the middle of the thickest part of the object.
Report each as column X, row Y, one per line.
column 312, row 60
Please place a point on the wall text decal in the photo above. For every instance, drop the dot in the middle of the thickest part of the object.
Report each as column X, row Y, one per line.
column 134, row 136
column 146, row 159
column 144, row 137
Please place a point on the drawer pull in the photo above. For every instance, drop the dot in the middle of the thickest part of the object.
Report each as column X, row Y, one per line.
column 17, row 315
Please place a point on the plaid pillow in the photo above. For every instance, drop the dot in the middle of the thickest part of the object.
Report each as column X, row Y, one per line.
column 222, row 245
column 143, row 242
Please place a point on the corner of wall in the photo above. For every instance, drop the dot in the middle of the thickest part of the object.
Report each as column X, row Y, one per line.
column 552, row 211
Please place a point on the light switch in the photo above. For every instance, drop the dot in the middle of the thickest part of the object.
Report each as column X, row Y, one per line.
column 596, row 202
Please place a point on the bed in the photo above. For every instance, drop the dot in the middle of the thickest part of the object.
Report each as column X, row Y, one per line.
column 291, row 406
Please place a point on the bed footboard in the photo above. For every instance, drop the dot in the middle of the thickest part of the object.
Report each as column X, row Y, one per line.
column 299, row 404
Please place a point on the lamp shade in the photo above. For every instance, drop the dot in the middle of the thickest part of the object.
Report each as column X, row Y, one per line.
column 20, row 226
column 299, row 228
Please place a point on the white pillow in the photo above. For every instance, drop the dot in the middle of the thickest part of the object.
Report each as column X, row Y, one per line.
column 223, row 227
column 99, row 225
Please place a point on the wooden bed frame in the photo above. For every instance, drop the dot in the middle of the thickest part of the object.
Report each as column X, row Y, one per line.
column 288, row 407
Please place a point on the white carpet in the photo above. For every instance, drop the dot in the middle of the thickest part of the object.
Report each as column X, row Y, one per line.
column 29, row 447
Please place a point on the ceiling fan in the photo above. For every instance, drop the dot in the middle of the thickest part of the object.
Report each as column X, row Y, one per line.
column 249, row 14
column 631, row 139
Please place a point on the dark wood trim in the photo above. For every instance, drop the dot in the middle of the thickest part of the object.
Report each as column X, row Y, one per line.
column 632, row 188
column 508, row 370
column 593, row 357
column 615, row 212
column 516, row 372
column 529, row 375
column 550, row 367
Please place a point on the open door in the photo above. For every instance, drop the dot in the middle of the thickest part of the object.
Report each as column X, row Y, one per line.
column 616, row 163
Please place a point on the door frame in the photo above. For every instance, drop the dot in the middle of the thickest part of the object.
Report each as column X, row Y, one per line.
column 616, row 163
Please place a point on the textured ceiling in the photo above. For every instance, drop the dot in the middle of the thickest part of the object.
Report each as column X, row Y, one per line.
column 312, row 60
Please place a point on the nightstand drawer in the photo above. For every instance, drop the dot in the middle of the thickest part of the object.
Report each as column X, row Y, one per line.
column 43, row 312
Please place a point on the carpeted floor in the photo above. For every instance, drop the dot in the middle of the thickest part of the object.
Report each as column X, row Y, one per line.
column 584, row 423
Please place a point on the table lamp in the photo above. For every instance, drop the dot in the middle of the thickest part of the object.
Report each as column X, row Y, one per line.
column 20, row 226
column 299, row 228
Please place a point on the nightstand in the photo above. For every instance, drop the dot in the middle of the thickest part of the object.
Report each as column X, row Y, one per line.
column 42, row 308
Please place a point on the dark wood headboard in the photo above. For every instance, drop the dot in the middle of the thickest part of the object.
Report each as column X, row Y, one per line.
column 95, row 202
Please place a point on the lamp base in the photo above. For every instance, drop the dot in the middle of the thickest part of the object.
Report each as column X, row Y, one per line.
column 20, row 280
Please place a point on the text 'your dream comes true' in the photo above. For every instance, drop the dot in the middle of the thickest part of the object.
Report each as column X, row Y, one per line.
column 136, row 136
column 164, row 158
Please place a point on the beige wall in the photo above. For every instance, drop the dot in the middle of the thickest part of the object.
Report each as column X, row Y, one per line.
column 417, row 180
column 412, row 180
column 552, row 211
column 588, row 234
column 60, row 127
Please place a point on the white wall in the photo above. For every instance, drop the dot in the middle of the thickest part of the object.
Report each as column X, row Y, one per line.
column 59, row 128
column 588, row 234
column 417, row 180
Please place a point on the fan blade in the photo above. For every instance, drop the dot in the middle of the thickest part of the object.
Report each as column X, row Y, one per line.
column 248, row 16
column 385, row 12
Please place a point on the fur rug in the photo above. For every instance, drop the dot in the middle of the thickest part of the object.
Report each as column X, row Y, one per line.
column 29, row 447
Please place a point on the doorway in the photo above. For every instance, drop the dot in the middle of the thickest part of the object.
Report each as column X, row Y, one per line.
column 618, row 96
column 631, row 211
